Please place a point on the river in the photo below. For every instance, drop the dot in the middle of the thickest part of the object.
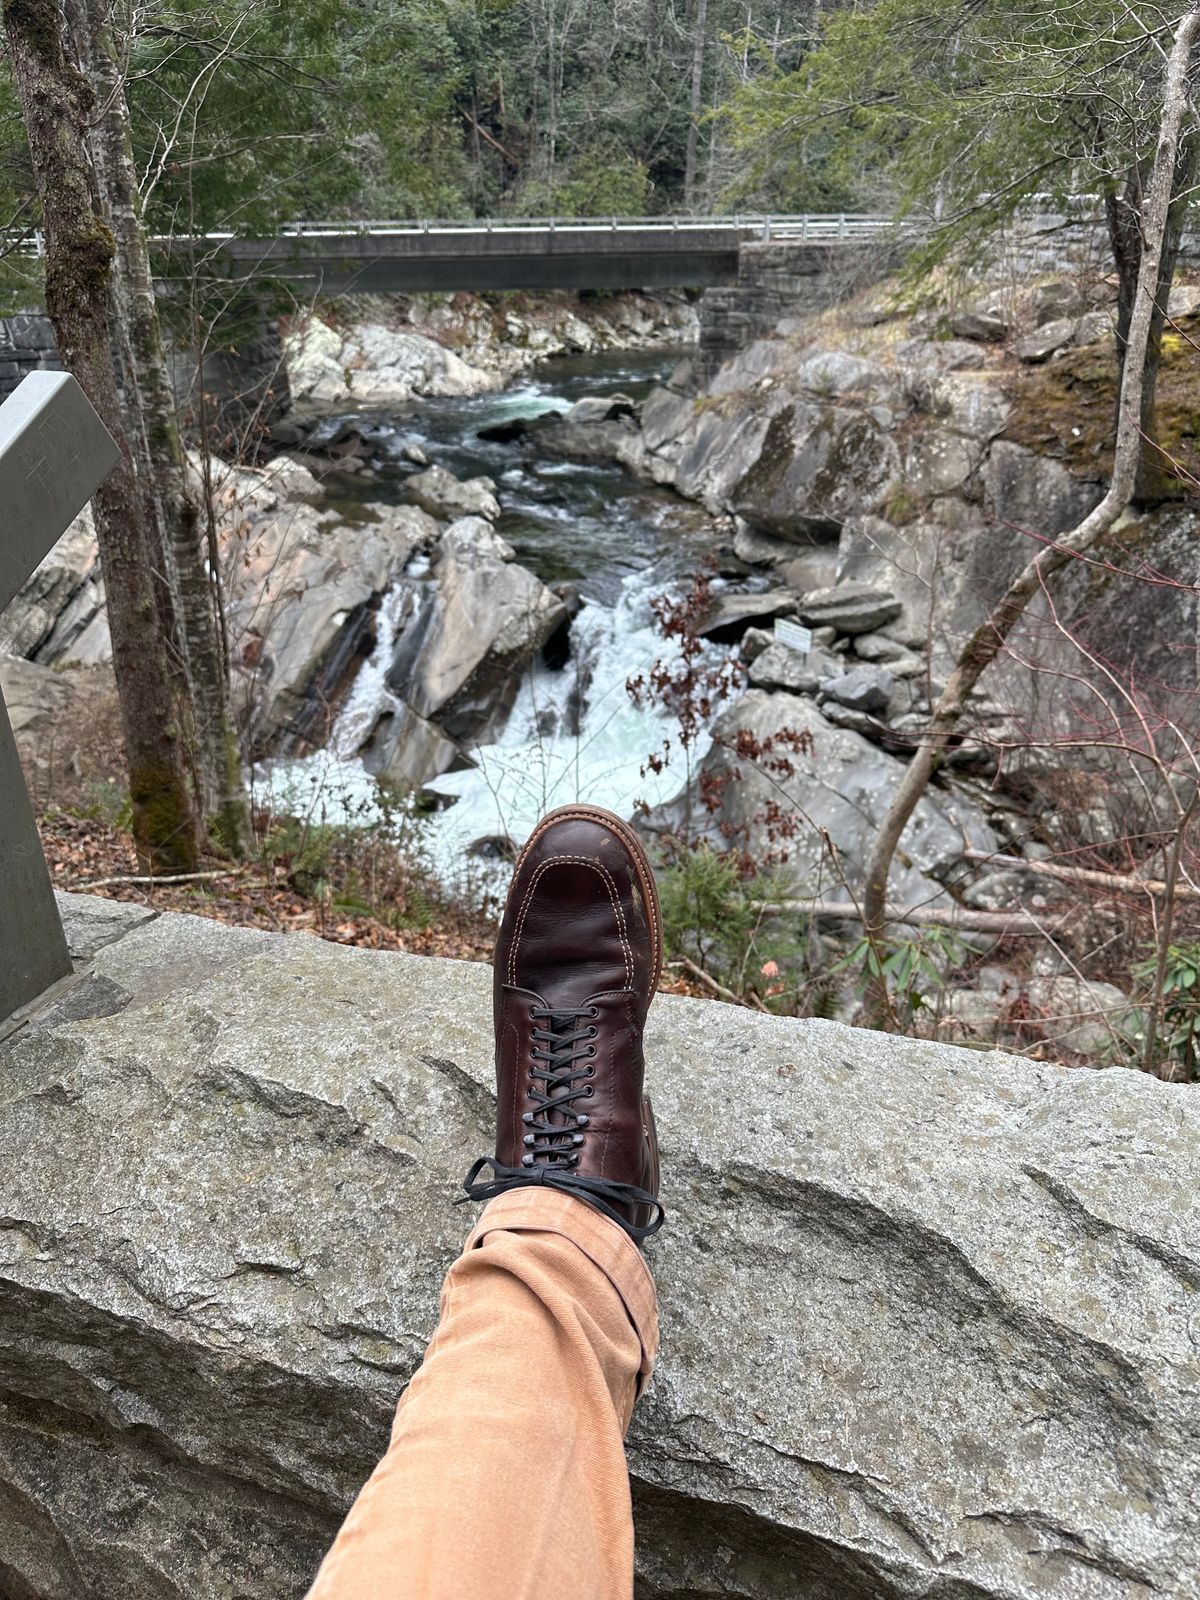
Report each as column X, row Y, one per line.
column 573, row 732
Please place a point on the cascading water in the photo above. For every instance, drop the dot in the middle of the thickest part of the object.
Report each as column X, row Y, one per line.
column 573, row 731
column 573, row 734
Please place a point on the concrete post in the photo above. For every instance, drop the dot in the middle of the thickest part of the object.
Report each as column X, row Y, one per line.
column 54, row 452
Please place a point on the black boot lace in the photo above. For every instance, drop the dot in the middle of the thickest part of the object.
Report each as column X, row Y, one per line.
column 556, row 1129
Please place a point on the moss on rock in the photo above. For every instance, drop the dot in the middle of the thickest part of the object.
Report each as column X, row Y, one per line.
column 1067, row 408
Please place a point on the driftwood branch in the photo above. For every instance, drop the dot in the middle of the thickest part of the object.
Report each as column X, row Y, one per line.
column 718, row 989
column 175, row 877
column 1120, row 881
column 1002, row 922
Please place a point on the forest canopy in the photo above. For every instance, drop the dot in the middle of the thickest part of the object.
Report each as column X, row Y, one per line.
column 246, row 113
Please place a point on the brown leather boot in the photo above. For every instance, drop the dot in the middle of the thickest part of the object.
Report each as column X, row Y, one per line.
column 576, row 966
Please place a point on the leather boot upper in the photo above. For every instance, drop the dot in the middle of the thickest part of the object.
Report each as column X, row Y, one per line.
column 576, row 966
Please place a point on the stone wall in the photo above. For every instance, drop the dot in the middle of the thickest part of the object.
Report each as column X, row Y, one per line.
column 241, row 376
column 245, row 380
column 1045, row 243
column 782, row 279
column 788, row 279
column 929, row 1315
column 26, row 345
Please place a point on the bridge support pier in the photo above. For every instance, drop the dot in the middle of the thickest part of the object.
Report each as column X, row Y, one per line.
column 783, row 279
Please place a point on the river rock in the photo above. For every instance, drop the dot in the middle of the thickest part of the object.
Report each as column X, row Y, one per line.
column 837, row 372
column 1034, row 492
column 864, row 688
column 961, row 1283
column 849, row 607
column 797, row 567
column 602, row 439
column 1094, row 327
column 1079, row 1015
column 300, row 605
column 938, row 462
column 731, row 614
column 986, row 326
column 760, row 549
column 943, row 355
column 1058, row 301
column 666, row 413
column 36, row 698
column 1042, row 343
column 406, row 749
column 781, row 667
column 812, row 466
column 57, row 617
column 840, row 787
column 471, row 541
column 374, row 362
column 753, row 642
column 459, row 662
column 974, row 405
column 600, row 408
column 878, row 647
column 1183, row 301
column 444, row 495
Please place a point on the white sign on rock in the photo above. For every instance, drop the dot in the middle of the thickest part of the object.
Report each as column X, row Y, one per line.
column 54, row 453
column 793, row 635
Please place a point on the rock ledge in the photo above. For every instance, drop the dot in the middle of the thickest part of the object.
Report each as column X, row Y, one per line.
column 931, row 1323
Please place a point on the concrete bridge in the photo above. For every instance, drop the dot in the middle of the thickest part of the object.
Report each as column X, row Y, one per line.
column 511, row 253
column 529, row 253
column 753, row 269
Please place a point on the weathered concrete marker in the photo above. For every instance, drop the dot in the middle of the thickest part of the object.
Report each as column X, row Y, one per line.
column 54, row 452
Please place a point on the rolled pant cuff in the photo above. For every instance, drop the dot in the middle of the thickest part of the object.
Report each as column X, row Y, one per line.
column 603, row 1241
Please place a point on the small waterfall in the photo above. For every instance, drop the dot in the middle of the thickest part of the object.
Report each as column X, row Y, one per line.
column 370, row 694
column 573, row 734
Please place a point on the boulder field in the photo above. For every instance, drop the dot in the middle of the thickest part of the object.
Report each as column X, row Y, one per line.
column 305, row 578
column 930, row 1316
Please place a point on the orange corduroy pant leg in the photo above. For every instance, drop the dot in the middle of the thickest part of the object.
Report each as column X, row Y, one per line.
column 506, row 1472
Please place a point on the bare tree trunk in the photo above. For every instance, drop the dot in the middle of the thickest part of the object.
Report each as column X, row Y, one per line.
column 985, row 643
column 56, row 103
column 699, row 44
column 1123, row 214
column 150, row 414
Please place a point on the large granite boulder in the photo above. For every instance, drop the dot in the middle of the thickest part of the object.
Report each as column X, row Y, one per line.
column 816, row 464
column 477, row 627
column 838, row 789
column 929, row 1315
column 35, row 698
column 305, row 580
column 58, row 616
column 441, row 493
column 374, row 362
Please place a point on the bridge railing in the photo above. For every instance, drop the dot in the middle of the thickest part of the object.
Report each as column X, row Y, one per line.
column 750, row 226
column 812, row 225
